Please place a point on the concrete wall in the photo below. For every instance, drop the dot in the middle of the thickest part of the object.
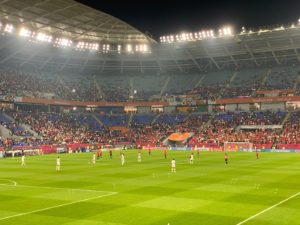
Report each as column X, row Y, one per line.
column 144, row 110
column 243, row 107
column 272, row 106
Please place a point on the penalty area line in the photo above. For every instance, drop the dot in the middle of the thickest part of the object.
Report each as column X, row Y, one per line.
column 268, row 209
column 58, row 188
column 56, row 206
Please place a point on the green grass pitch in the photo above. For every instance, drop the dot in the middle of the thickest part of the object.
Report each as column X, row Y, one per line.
column 207, row 192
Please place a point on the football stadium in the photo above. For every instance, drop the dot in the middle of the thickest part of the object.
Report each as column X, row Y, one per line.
column 101, row 123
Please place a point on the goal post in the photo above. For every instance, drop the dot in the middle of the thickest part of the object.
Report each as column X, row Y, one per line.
column 238, row 146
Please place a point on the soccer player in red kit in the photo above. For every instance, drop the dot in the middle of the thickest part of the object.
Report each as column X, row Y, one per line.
column 226, row 158
column 165, row 153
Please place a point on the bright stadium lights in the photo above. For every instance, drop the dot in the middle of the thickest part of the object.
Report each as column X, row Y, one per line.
column 145, row 48
column 170, row 39
column 38, row 37
column 186, row 37
column 8, row 28
column 243, row 30
column 106, row 48
column 82, row 46
column 142, row 48
column 24, row 32
column 63, row 42
column 43, row 37
column 94, row 46
column 225, row 31
column 129, row 48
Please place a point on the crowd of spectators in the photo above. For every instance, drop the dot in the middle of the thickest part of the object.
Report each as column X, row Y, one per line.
column 77, row 89
column 215, row 129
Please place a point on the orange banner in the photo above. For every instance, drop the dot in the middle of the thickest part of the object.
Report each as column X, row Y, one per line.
column 180, row 137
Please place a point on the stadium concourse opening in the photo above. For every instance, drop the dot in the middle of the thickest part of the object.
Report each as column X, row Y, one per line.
column 101, row 123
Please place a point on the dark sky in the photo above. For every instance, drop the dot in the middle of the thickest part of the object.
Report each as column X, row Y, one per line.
column 162, row 17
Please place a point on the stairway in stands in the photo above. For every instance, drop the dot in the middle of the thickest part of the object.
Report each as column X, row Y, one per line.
column 98, row 87
column 21, row 126
column 234, row 75
column 155, row 118
column 297, row 82
column 130, row 120
column 200, row 81
column 164, row 87
column 98, row 120
column 286, row 118
column 265, row 78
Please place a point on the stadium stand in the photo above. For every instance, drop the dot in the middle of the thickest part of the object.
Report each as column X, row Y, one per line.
column 61, row 93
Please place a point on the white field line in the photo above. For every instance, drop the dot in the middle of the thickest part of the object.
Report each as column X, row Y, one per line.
column 268, row 209
column 57, row 206
column 55, row 188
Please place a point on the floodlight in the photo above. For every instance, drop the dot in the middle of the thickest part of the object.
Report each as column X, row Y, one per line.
column 8, row 28
column 24, row 32
column 43, row 37
column 129, row 48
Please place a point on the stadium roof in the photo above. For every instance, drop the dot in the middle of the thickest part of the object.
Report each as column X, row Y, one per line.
column 70, row 19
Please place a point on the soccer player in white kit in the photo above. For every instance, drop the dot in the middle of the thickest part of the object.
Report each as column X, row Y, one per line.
column 192, row 158
column 122, row 159
column 58, row 164
column 173, row 164
column 23, row 160
column 139, row 157
column 94, row 158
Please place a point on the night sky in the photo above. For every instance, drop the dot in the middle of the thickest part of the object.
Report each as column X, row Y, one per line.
column 175, row 16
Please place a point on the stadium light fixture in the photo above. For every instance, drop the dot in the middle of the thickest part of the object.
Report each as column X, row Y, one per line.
column 63, row 42
column 243, row 30
column 8, row 28
column 145, row 48
column 95, row 47
column 82, row 46
column 42, row 37
column 33, row 36
column 105, row 48
column 24, row 32
column 225, row 31
column 129, row 48
column 119, row 49
column 142, row 48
